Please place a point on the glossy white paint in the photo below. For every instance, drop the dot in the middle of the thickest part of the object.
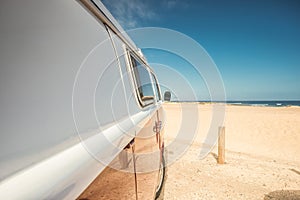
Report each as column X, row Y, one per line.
column 46, row 177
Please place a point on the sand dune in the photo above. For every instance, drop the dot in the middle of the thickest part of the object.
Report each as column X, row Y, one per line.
column 262, row 155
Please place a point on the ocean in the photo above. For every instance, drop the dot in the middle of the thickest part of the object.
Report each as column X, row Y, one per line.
column 279, row 103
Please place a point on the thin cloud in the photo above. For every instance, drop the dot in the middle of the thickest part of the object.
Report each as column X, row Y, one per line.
column 130, row 14
column 172, row 4
column 135, row 13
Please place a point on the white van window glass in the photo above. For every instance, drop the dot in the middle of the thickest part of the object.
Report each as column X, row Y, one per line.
column 143, row 82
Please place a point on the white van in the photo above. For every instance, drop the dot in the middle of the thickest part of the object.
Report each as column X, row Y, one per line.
column 81, row 113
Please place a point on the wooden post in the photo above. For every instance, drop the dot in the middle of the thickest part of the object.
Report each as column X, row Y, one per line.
column 221, row 145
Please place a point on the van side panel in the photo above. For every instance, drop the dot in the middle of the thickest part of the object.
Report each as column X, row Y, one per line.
column 46, row 48
column 43, row 44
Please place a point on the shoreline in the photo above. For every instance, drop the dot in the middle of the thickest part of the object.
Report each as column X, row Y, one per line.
column 244, row 103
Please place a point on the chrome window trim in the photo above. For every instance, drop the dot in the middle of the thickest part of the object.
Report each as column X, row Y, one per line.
column 129, row 55
column 156, row 84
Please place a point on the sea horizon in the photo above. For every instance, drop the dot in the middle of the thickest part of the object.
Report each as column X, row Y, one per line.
column 262, row 103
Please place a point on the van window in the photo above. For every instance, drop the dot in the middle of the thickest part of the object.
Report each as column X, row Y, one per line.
column 143, row 82
column 156, row 87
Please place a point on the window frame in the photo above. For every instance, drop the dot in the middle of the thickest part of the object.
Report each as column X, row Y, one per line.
column 134, row 76
column 156, row 86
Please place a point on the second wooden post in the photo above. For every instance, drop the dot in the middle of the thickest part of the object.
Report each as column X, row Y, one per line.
column 221, row 145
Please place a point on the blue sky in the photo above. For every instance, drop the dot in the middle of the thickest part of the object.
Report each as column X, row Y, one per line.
column 255, row 44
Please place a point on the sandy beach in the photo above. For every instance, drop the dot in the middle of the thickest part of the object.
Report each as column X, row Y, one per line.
column 262, row 155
